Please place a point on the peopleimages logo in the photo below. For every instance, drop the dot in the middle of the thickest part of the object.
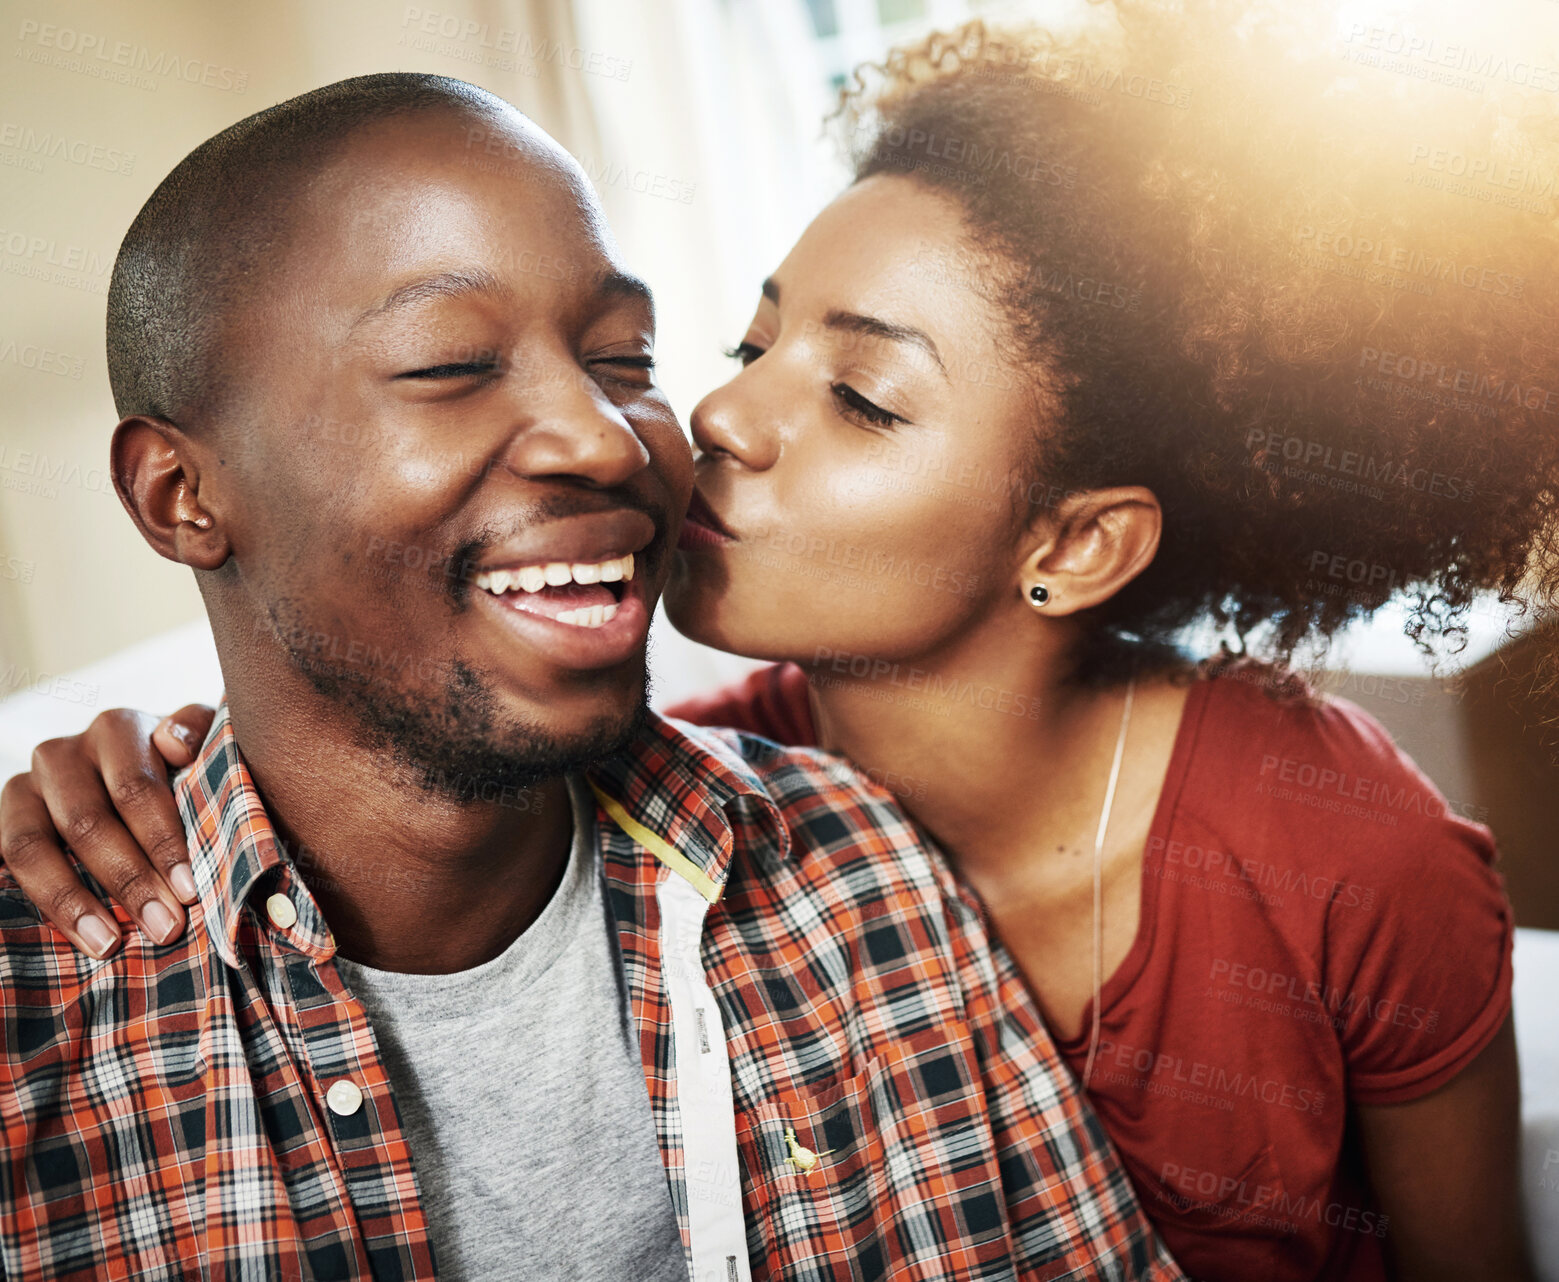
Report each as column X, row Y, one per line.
column 51, row 685
column 99, row 56
column 75, row 151
column 1449, row 378
column 945, row 690
column 48, row 252
column 494, row 47
column 1547, row 1181
column 914, row 148
column 643, row 181
column 1257, row 874
column 1453, row 56
column 43, row 360
column 1277, row 452
column 1266, row 1204
column 1487, row 170
column 1200, row 1082
column 1314, row 1001
column 49, row 472
column 882, row 566
column 1408, row 263
column 1351, row 787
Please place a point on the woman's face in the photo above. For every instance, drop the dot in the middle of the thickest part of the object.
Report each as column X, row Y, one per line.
column 863, row 459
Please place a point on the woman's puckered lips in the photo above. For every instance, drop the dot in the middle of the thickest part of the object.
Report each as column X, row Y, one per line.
column 700, row 513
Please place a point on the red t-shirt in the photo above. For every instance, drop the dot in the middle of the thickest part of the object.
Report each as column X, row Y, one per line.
column 1316, row 930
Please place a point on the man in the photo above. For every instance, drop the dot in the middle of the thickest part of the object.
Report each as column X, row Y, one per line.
column 393, row 402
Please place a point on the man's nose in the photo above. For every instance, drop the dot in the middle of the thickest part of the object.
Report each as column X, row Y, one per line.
column 567, row 427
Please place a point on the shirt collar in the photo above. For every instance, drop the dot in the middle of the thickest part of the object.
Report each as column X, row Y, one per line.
column 693, row 789
column 232, row 842
column 688, row 786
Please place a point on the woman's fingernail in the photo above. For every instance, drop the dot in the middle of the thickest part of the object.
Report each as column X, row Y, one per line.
column 96, row 934
column 179, row 731
column 183, row 882
column 160, row 922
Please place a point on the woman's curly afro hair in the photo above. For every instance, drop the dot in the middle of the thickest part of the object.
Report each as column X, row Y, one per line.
column 1309, row 301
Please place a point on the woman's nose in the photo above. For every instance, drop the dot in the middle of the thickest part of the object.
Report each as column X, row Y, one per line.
column 737, row 422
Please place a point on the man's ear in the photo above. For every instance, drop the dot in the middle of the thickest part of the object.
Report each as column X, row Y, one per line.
column 157, row 472
column 1095, row 543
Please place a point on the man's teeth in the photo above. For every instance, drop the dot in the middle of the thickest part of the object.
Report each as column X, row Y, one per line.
column 555, row 574
column 589, row 617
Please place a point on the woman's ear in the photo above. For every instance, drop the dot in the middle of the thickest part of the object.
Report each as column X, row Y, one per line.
column 156, row 471
column 1094, row 543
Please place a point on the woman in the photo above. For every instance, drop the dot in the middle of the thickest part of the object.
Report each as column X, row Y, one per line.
column 1069, row 368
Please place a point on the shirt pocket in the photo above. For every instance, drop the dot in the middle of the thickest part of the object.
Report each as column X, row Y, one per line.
column 909, row 1130
column 830, row 1212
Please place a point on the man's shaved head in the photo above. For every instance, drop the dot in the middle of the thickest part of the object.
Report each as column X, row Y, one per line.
column 210, row 232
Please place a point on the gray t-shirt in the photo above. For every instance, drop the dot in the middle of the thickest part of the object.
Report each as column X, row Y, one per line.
column 522, row 1092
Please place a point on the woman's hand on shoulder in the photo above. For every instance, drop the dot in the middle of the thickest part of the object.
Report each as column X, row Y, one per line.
column 105, row 794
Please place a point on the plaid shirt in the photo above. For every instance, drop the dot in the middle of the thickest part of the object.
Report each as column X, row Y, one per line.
column 847, row 1082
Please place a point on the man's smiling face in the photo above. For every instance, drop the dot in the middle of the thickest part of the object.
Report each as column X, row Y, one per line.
column 450, row 482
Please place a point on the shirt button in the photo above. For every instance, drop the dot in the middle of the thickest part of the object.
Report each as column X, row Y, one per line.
column 344, row 1098
column 280, row 910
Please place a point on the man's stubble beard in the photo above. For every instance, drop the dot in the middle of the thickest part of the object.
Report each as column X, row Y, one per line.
column 450, row 739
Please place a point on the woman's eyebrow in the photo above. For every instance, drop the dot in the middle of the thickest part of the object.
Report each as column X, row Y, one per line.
column 871, row 326
column 891, row 331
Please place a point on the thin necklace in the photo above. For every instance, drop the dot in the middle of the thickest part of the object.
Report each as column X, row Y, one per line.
column 1098, row 880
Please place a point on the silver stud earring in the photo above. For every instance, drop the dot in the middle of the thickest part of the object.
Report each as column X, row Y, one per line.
column 203, row 521
column 1038, row 595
